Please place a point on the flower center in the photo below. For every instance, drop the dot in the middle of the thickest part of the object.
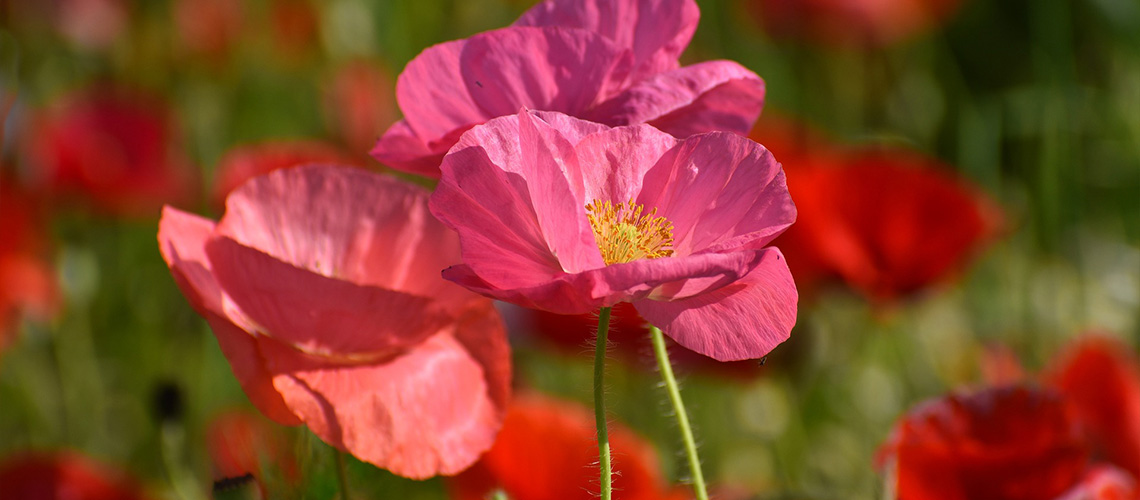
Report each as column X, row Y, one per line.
column 623, row 234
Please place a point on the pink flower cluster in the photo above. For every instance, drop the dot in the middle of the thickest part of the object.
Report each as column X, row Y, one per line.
column 323, row 285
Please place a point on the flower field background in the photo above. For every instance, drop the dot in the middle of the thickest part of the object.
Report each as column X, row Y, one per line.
column 966, row 176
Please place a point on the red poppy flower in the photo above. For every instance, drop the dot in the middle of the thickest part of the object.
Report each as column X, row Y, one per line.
column 358, row 104
column 888, row 222
column 294, row 24
column 1008, row 443
column 629, row 335
column 547, row 450
column 857, row 23
column 1104, row 483
column 63, row 476
column 242, row 443
column 242, row 163
column 27, row 282
column 116, row 147
column 1100, row 379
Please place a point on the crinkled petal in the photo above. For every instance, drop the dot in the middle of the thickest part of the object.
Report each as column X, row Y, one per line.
column 424, row 412
column 432, row 94
column 705, row 97
column 656, row 31
column 743, row 320
column 721, row 191
column 584, row 292
column 558, row 69
column 618, row 160
column 317, row 314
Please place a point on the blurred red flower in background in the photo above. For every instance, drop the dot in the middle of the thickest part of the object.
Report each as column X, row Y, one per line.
column 294, row 26
column 1006, row 443
column 242, row 443
column 322, row 287
column 887, row 222
column 117, row 148
column 27, row 280
column 208, row 28
column 851, row 23
column 1100, row 379
column 548, row 450
column 63, row 475
column 358, row 105
column 242, row 163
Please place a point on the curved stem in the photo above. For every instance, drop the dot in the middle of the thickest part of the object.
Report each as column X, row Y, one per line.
column 600, row 403
column 679, row 409
column 341, row 474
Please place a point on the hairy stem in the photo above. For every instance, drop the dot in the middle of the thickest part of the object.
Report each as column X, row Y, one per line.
column 600, row 403
column 679, row 409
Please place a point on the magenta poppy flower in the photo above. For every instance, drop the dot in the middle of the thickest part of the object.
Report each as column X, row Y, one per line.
column 322, row 287
column 608, row 61
column 567, row 216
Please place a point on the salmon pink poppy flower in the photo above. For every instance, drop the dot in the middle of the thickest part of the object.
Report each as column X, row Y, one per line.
column 547, row 450
column 1100, row 379
column 118, row 148
column 568, row 216
column 608, row 61
column 322, row 287
column 1008, row 443
column 242, row 163
column 63, row 475
column 851, row 23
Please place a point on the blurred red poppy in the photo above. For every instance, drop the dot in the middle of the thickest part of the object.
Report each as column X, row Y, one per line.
column 294, row 24
column 1002, row 443
column 1104, row 483
column 116, row 147
column 245, row 162
column 241, row 443
column 1100, row 379
column 547, row 449
column 63, row 476
column 359, row 104
column 629, row 336
column 887, row 222
column 27, row 281
column 851, row 23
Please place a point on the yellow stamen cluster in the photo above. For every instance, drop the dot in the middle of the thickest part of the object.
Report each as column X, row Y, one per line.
column 623, row 234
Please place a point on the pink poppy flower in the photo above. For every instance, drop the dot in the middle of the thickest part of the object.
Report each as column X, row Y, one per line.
column 608, row 61
column 567, row 216
column 322, row 287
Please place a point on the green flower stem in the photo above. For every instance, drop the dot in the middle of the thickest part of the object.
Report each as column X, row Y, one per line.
column 341, row 473
column 679, row 409
column 600, row 403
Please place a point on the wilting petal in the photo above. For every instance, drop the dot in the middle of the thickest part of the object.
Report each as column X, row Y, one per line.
column 743, row 320
column 583, row 292
column 1010, row 443
column 566, row 70
column 656, row 31
column 424, row 412
column 547, row 450
column 1100, row 379
column 721, row 191
column 704, row 97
